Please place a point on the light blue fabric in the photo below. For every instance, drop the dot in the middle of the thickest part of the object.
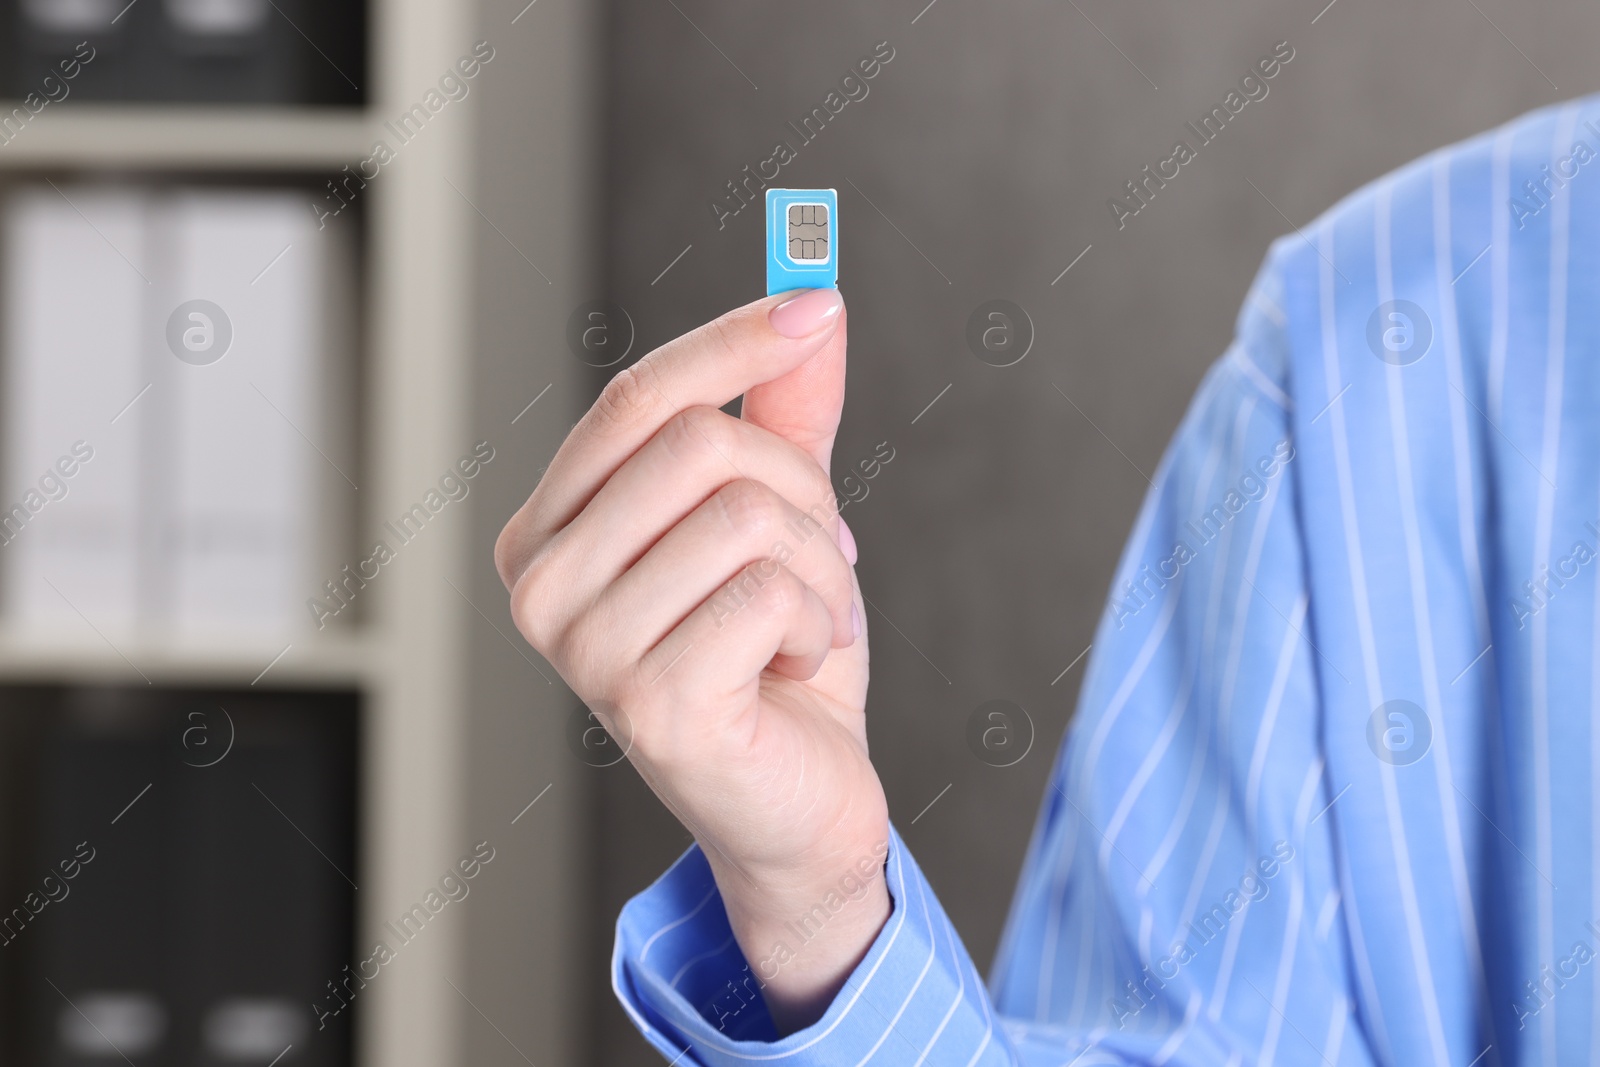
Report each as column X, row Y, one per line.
column 1235, row 862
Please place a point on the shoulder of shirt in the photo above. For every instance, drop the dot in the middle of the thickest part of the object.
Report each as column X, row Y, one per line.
column 1263, row 353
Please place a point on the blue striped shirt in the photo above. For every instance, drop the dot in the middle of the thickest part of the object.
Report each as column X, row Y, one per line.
column 1333, row 788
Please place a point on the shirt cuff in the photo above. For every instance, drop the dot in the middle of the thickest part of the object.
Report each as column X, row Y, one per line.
column 916, row 996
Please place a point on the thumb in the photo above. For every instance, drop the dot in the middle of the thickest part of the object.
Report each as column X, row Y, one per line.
column 804, row 404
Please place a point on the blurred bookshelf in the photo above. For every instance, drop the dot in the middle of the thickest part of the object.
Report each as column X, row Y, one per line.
column 440, row 695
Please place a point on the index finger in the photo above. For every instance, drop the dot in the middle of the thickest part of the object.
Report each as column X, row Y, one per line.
column 707, row 367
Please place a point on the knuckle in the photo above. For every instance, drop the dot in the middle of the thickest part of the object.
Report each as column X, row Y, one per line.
column 696, row 433
column 532, row 606
column 628, row 397
column 722, row 334
column 780, row 593
column 749, row 508
column 764, row 587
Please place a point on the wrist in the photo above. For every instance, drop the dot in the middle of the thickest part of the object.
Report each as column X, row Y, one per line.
column 802, row 936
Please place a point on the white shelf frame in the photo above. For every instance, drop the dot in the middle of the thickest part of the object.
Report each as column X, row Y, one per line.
column 330, row 660
column 71, row 135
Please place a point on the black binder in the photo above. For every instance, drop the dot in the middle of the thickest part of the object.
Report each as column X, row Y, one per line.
column 215, row 839
column 287, row 52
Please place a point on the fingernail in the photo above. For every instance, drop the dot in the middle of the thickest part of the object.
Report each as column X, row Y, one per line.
column 855, row 620
column 847, row 542
column 806, row 314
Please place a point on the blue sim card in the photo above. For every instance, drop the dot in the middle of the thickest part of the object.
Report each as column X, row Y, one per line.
column 802, row 239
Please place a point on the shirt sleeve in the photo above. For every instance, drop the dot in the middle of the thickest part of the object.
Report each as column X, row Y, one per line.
column 1181, row 897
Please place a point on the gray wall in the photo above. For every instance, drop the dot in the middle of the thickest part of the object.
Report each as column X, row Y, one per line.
column 991, row 142
column 533, row 975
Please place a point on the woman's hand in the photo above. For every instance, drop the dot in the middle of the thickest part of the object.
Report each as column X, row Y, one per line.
column 688, row 574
